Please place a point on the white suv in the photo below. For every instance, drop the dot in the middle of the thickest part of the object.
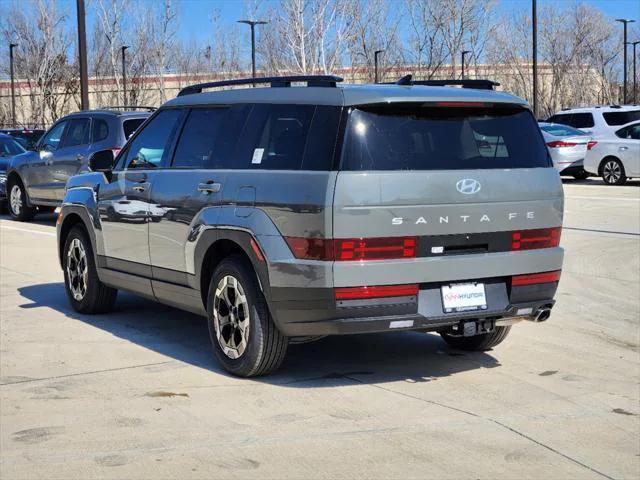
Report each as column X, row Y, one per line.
column 598, row 121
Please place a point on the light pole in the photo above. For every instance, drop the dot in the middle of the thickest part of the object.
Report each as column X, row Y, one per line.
column 464, row 52
column 82, row 54
column 13, row 87
column 534, row 56
column 252, row 24
column 635, row 78
column 625, row 22
column 375, row 65
column 124, row 76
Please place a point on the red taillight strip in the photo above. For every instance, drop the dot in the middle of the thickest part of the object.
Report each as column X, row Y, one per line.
column 535, row 278
column 560, row 143
column 591, row 144
column 383, row 291
column 352, row 249
column 536, row 238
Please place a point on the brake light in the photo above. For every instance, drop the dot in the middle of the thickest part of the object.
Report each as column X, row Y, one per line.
column 536, row 238
column 383, row 291
column 535, row 278
column 560, row 143
column 591, row 144
column 350, row 249
column 461, row 104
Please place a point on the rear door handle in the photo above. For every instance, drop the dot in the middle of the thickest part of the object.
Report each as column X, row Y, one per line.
column 622, row 149
column 209, row 187
column 139, row 188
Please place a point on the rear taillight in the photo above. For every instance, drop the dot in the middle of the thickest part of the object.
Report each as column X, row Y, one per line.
column 535, row 278
column 560, row 143
column 591, row 144
column 383, row 291
column 536, row 238
column 350, row 249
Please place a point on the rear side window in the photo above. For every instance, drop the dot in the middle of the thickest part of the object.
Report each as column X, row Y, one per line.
column 412, row 137
column 632, row 132
column 621, row 118
column 130, row 126
column 199, row 140
column 150, row 147
column 100, row 130
column 576, row 120
column 77, row 133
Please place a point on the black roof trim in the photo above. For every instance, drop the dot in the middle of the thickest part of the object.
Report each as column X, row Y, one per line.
column 285, row 81
column 478, row 84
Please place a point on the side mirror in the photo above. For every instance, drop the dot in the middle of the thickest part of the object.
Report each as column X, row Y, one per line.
column 101, row 161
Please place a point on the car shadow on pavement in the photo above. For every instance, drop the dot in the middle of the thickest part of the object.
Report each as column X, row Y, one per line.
column 598, row 182
column 375, row 358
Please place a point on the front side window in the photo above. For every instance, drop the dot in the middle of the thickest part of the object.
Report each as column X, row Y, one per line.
column 51, row 141
column 631, row 132
column 621, row 118
column 198, row 144
column 413, row 137
column 77, row 133
column 149, row 148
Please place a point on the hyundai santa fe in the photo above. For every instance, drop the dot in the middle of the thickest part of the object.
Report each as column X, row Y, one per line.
column 310, row 208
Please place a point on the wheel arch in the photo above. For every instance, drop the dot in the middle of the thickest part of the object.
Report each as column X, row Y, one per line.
column 605, row 160
column 14, row 176
column 216, row 245
column 71, row 219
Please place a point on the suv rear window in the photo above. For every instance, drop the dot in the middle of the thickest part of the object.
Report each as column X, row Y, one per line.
column 413, row 137
column 620, row 118
column 130, row 126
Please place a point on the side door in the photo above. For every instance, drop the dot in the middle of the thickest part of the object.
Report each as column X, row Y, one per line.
column 180, row 195
column 40, row 184
column 628, row 149
column 72, row 154
column 123, row 203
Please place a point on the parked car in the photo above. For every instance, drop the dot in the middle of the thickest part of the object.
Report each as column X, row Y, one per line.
column 9, row 148
column 27, row 137
column 597, row 121
column 616, row 158
column 567, row 146
column 37, row 179
column 305, row 211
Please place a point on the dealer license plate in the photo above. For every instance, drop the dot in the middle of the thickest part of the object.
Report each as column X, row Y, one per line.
column 463, row 297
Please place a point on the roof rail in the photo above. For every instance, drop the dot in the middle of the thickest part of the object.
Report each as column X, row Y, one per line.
column 480, row 84
column 128, row 107
column 285, row 81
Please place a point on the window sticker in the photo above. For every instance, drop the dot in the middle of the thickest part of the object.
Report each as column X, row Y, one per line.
column 257, row 156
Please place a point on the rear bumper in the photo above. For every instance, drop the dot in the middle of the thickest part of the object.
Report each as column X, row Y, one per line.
column 300, row 312
column 571, row 168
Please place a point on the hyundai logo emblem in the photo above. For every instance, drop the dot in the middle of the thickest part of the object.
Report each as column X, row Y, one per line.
column 468, row 186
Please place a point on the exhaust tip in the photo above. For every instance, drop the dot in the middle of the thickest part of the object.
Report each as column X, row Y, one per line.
column 542, row 315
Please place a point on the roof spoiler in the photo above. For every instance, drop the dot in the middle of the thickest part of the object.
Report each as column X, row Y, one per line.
column 284, row 81
column 479, row 84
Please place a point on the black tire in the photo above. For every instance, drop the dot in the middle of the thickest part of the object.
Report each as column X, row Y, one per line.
column 581, row 175
column 98, row 298
column 24, row 212
column 485, row 341
column 265, row 347
column 612, row 171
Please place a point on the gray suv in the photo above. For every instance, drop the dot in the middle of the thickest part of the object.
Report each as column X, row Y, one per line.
column 36, row 179
column 293, row 212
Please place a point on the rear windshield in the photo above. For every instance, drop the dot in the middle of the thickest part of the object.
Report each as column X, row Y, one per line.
column 620, row 118
column 410, row 137
column 130, row 126
column 561, row 130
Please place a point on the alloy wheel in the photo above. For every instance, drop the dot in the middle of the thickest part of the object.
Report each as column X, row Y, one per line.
column 77, row 269
column 231, row 316
column 15, row 200
column 611, row 171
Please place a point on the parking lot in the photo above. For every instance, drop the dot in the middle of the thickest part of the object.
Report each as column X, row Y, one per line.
column 138, row 393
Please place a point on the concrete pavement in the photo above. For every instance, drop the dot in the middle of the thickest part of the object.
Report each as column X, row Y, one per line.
column 137, row 393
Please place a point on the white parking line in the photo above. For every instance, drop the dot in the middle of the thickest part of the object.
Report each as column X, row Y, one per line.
column 585, row 197
column 37, row 232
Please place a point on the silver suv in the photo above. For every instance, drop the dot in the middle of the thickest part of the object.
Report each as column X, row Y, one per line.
column 293, row 212
column 36, row 179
